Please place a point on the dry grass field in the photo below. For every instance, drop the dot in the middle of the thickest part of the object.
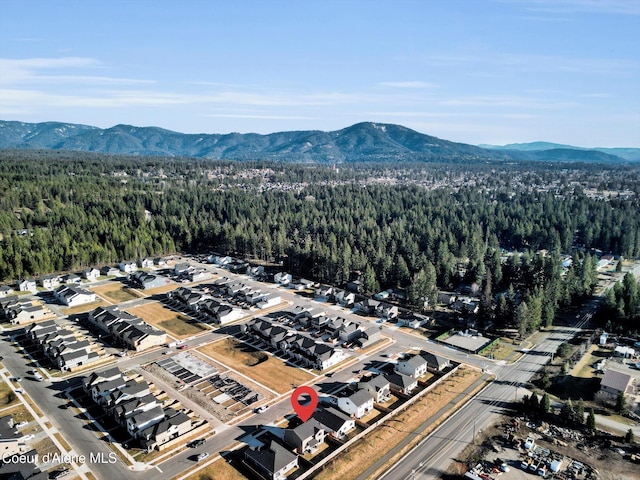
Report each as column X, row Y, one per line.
column 19, row 414
column 116, row 292
column 87, row 307
column 163, row 289
column 7, row 396
column 264, row 369
column 218, row 470
column 381, row 440
column 176, row 324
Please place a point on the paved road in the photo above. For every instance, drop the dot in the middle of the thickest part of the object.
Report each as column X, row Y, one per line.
column 432, row 457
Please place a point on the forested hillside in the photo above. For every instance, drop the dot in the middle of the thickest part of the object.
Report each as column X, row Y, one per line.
column 407, row 226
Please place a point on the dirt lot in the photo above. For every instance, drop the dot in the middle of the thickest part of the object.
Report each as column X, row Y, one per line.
column 263, row 368
column 7, row 397
column 176, row 324
column 381, row 440
column 591, row 451
column 219, row 470
column 116, row 292
column 87, row 307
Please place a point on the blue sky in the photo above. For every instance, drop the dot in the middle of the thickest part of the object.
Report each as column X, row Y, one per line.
column 474, row 71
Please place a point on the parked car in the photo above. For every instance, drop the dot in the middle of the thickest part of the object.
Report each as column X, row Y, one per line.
column 202, row 456
column 196, row 443
column 182, row 347
column 261, row 409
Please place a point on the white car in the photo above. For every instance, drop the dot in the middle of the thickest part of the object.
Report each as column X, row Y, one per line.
column 261, row 409
column 202, row 456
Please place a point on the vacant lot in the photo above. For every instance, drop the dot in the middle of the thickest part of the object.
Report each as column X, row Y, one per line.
column 116, row 292
column 19, row 414
column 218, row 470
column 7, row 396
column 84, row 308
column 264, row 369
column 381, row 440
column 176, row 324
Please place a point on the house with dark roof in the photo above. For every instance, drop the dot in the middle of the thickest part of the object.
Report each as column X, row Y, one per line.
column 368, row 306
column 401, row 383
column 336, row 423
column 144, row 280
column 130, row 407
column 377, row 386
column 343, row 297
column 271, row 460
column 615, row 382
column 358, row 404
column 137, row 423
column 101, row 376
column 306, row 437
column 435, row 363
column 415, row 366
column 72, row 295
column 174, row 425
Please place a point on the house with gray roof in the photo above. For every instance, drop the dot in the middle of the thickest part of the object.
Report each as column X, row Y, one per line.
column 415, row 366
column 377, row 385
column 358, row 404
column 336, row 423
column 271, row 460
column 306, row 437
column 401, row 383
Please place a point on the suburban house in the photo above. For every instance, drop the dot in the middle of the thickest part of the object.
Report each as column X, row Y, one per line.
column 109, row 271
column 377, row 386
column 127, row 329
column 435, row 363
column 283, row 278
column 412, row 320
column 301, row 284
column 181, row 268
column 22, row 311
column 130, row 407
column 5, row 291
column 335, row 423
column 49, row 281
column 349, row 332
column 128, row 267
column 369, row 336
column 415, row 366
column 145, row 262
column 11, row 440
column 27, row 285
column 615, row 382
column 137, row 423
column 174, row 425
column 306, row 437
column 71, row 278
column 146, row 280
column 131, row 389
column 387, row 311
column 271, row 460
column 101, row 376
column 324, row 291
column 343, row 297
column 269, row 300
column 355, row 286
column 358, row 404
column 401, row 383
column 91, row 273
column 99, row 390
column 197, row 275
column 160, row 262
column 368, row 306
column 72, row 295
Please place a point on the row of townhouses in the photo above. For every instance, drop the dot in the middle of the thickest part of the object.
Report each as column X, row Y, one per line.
column 302, row 348
column 19, row 310
column 242, row 292
column 62, row 346
column 127, row 329
column 134, row 407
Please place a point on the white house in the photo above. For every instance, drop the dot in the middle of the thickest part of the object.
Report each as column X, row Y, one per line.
column 358, row 404
column 91, row 273
column 27, row 285
column 283, row 278
column 128, row 267
column 414, row 366
column 72, row 295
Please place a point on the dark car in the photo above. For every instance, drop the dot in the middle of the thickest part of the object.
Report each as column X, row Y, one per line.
column 196, row 443
column 59, row 473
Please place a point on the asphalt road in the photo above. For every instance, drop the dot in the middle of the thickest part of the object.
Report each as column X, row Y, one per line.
column 427, row 461
column 432, row 457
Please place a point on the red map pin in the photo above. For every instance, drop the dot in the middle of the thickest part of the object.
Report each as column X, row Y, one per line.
column 304, row 411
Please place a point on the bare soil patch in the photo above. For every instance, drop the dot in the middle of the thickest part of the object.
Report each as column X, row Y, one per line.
column 176, row 324
column 260, row 366
column 116, row 292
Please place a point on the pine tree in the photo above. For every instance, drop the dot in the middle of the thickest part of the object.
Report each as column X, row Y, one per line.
column 545, row 405
column 591, row 421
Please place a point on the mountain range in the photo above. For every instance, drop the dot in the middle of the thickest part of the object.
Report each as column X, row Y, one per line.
column 364, row 141
column 631, row 154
